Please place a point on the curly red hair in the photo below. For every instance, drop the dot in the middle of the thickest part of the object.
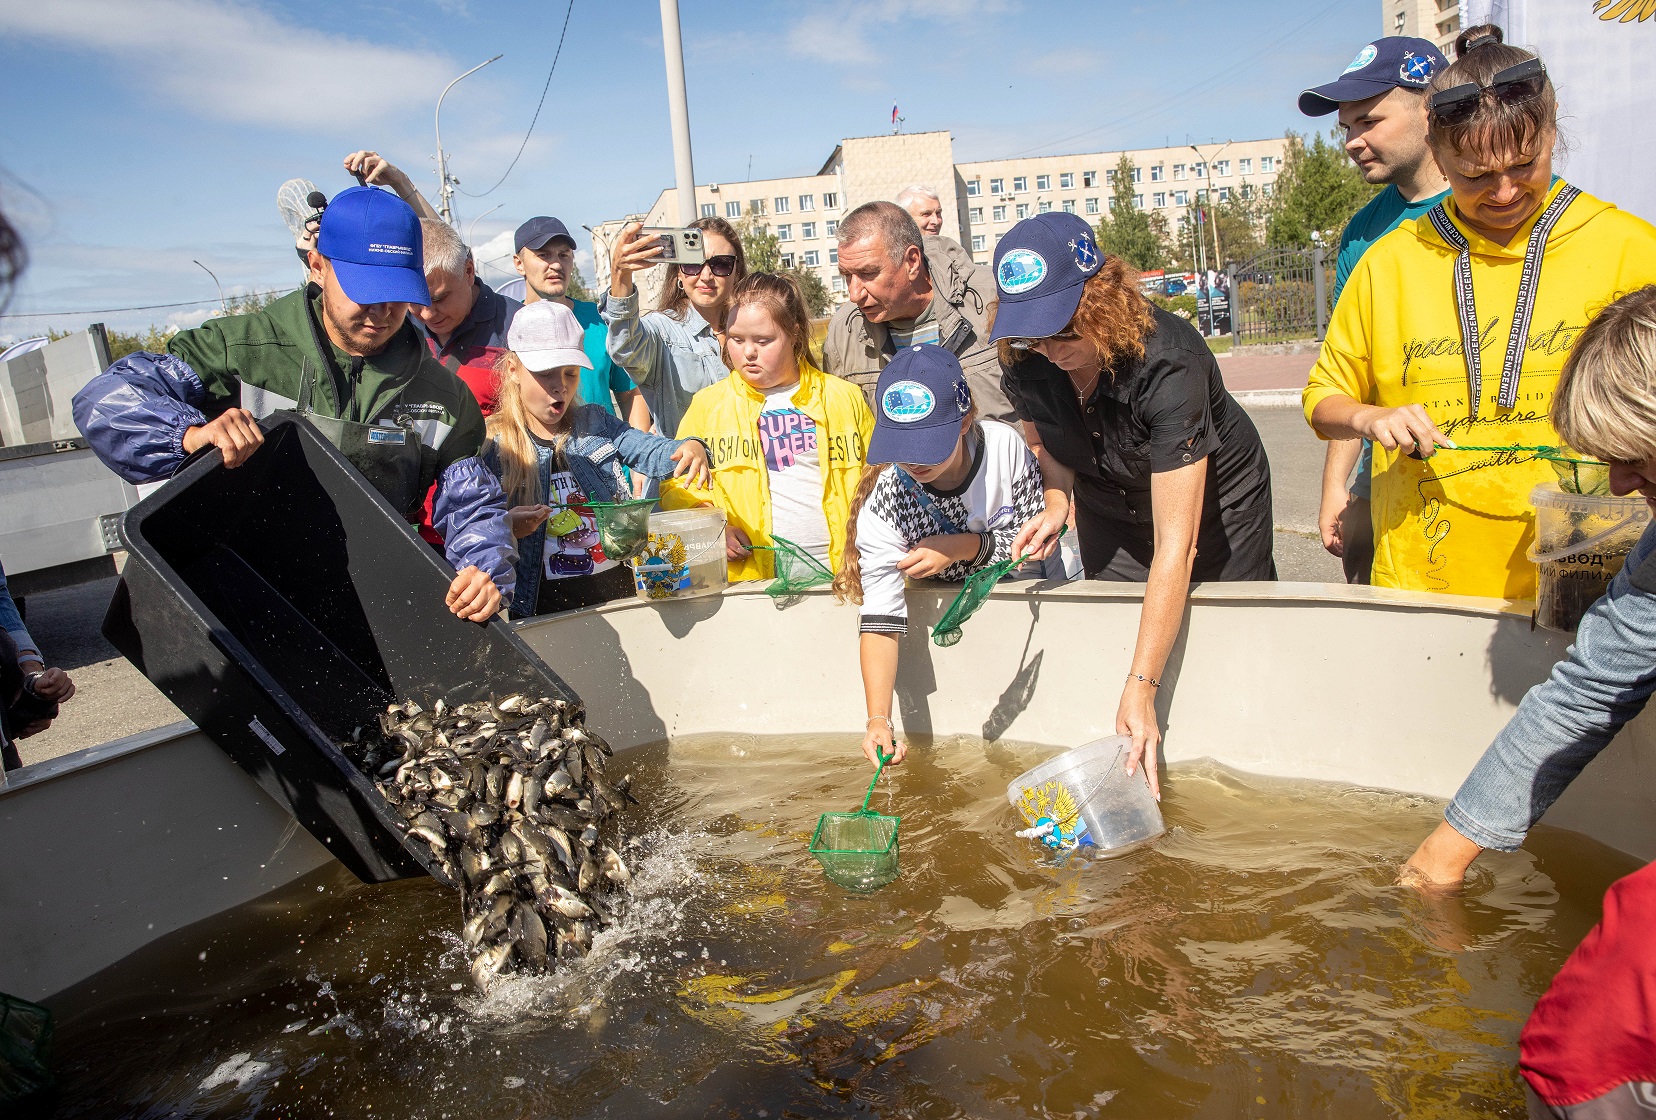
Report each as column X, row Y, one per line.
column 1113, row 315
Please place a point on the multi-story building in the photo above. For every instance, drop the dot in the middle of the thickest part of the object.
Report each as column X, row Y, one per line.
column 981, row 200
column 1437, row 20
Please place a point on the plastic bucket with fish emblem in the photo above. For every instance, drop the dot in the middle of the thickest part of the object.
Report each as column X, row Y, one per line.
column 684, row 556
column 1085, row 797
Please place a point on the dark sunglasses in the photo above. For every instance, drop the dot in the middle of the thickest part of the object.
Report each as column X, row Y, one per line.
column 1512, row 86
column 1069, row 334
column 722, row 265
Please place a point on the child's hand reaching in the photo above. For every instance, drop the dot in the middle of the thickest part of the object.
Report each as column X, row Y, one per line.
column 934, row 553
column 526, row 519
column 692, row 467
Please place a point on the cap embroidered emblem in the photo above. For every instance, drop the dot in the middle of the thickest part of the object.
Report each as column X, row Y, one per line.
column 963, row 397
column 1416, row 69
column 907, row 401
column 1086, row 254
column 1020, row 270
column 1364, row 57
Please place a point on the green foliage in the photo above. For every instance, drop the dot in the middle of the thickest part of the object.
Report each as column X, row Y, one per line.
column 155, row 338
column 577, row 287
column 1128, row 232
column 759, row 245
column 1277, row 310
column 1183, row 306
column 1317, row 192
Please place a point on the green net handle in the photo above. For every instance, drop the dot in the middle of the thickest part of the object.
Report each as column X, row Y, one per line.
column 878, row 770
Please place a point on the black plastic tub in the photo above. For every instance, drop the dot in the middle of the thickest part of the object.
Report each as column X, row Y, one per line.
column 283, row 604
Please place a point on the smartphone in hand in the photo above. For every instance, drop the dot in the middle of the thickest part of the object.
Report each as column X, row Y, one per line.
column 679, row 245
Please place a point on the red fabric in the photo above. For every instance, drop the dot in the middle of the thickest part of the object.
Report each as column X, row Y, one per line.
column 1595, row 1028
column 477, row 371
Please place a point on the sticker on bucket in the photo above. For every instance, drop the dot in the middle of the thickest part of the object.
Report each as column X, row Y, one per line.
column 658, row 579
column 1054, row 816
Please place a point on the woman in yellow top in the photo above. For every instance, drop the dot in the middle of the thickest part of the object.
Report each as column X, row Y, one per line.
column 788, row 442
column 1397, row 369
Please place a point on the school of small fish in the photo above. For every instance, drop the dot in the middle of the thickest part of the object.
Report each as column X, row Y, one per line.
column 508, row 801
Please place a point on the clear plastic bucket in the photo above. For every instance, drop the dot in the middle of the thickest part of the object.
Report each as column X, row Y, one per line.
column 1086, row 797
column 1581, row 542
column 684, row 556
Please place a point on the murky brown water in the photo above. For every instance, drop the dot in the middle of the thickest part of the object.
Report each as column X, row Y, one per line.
column 1256, row 961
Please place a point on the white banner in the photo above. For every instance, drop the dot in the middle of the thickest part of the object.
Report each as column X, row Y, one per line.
column 1607, row 111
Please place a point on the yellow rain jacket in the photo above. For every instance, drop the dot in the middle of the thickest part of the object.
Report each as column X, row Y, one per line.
column 725, row 416
column 1461, row 522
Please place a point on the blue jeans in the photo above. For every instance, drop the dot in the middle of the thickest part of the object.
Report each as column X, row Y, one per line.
column 1564, row 722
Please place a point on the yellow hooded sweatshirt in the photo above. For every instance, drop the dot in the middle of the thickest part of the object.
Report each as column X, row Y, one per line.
column 1461, row 521
column 725, row 416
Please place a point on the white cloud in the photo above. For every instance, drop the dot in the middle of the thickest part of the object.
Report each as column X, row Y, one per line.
column 236, row 62
column 856, row 34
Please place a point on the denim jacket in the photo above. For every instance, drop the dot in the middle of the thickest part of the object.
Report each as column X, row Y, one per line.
column 670, row 361
column 599, row 445
column 1564, row 722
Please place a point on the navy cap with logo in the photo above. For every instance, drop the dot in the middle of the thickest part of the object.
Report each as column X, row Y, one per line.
column 922, row 397
column 1395, row 62
column 1041, row 266
column 536, row 232
column 372, row 238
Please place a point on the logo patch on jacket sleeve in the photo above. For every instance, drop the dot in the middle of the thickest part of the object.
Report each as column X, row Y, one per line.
column 1020, row 270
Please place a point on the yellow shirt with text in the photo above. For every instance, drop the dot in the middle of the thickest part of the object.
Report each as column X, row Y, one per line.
column 1461, row 521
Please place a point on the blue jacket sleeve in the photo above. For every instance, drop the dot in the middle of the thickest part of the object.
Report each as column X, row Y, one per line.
column 469, row 512
column 645, row 452
column 1564, row 722
column 12, row 622
column 134, row 414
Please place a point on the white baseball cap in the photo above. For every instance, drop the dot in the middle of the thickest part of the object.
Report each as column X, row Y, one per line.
column 545, row 335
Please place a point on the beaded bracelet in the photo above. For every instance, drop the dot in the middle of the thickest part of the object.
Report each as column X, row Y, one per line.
column 1151, row 681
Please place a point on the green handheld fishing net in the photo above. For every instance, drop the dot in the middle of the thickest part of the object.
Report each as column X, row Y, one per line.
column 972, row 595
column 796, row 570
column 623, row 527
column 25, row 1051
column 858, row 850
column 1575, row 475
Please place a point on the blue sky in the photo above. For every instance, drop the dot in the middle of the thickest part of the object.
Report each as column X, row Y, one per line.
column 142, row 135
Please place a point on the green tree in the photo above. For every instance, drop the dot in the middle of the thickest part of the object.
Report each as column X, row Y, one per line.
column 759, row 245
column 817, row 299
column 1317, row 192
column 577, row 287
column 1127, row 231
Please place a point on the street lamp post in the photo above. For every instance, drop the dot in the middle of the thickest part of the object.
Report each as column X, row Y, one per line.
column 678, row 108
column 445, row 184
column 1213, row 201
column 223, row 306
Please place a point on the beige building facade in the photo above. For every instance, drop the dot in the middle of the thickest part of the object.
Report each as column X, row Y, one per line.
column 981, row 200
column 1436, row 20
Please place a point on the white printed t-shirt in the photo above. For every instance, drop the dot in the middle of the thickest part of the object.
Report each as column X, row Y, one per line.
column 1001, row 492
column 578, row 553
column 789, row 440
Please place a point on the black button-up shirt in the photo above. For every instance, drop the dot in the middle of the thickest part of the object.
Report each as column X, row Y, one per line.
column 1164, row 411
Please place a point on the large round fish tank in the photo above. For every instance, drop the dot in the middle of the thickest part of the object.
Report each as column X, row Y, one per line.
column 119, row 855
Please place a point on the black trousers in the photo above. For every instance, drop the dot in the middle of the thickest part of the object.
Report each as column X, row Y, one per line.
column 1235, row 546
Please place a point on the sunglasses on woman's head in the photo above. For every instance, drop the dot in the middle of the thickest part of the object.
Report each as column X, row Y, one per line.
column 722, row 265
column 1513, row 86
column 1068, row 334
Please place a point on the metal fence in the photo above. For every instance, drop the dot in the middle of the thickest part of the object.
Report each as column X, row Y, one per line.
column 1281, row 295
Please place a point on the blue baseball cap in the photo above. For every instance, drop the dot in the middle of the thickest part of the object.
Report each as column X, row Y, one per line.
column 536, row 232
column 373, row 239
column 1041, row 267
column 921, row 399
column 1395, row 62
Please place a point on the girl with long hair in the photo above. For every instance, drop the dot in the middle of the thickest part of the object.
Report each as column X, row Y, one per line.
column 943, row 496
column 788, row 442
column 554, row 454
column 1125, row 410
column 675, row 351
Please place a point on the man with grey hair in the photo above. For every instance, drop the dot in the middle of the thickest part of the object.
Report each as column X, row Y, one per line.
column 906, row 289
column 465, row 326
column 924, row 206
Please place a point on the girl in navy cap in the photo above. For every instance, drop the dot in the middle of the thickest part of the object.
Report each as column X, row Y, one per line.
column 943, row 496
column 1124, row 408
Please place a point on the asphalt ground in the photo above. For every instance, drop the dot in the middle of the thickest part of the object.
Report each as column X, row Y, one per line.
column 113, row 699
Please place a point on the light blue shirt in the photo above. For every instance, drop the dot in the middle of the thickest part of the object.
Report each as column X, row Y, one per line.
column 671, row 361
